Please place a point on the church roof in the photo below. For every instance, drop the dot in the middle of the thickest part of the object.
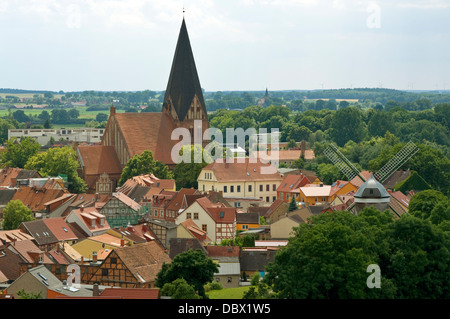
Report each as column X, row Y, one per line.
column 184, row 82
column 148, row 131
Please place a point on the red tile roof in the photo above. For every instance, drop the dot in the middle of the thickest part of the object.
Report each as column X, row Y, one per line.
column 243, row 170
column 130, row 293
column 28, row 250
column 155, row 127
column 127, row 201
column 87, row 214
column 60, row 228
column 96, row 159
column 223, row 251
column 291, row 182
column 357, row 181
column 176, row 203
column 36, row 198
column 218, row 211
column 144, row 260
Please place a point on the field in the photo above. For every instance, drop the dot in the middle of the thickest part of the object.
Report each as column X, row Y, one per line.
column 228, row 293
column 84, row 114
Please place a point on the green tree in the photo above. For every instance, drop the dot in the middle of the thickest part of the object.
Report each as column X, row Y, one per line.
column 101, row 117
column 347, row 124
column 328, row 257
column 144, row 163
column 47, row 124
column 17, row 153
column 422, row 204
column 15, row 213
column 5, row 125
column 179, row 289
column 380, row 123
column 292, row 204
column 28, row 295
column 20, row 116
column 417, row 260
column 187, row 172
column 193, row 266
column 58, row 161
column 329, row 173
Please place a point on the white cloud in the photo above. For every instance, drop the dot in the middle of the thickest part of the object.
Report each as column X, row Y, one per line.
column 285, row 3
column 425, row 4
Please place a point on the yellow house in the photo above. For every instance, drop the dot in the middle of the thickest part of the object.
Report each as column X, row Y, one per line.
column 312, row 195
column 341, row 188
column 246, row 221
column 242, row 178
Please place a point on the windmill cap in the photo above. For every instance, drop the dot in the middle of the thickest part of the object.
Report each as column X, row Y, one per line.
column 372, row 189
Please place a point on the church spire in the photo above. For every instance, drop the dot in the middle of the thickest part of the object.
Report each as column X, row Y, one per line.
column 183, row 89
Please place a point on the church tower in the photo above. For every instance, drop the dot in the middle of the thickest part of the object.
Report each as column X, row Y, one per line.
column 184, row 100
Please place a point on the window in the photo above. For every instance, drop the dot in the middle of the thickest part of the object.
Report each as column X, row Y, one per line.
column 231, row 189
column 188, row 215
column 249, row 188
column 205, row 227
column 195, row 215
column 260, row 188
column 324, row 199
column 267, row 199
column 274, row 187
column 161, row 213
column 237, row 204
column 287, row 196
column 239, row 188
column 225, row 189
column 244, row 226
column 229, row 279
column 203, row 187
column 113, row 260
column 104, row 272
column 274, row 198
column 315, row 199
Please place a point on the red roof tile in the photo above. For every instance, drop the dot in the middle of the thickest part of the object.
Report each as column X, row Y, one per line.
column 97, row 159
column 243, row 170
column 155, row 127
column 36, row 198
column 60, row 228
column 131, row 293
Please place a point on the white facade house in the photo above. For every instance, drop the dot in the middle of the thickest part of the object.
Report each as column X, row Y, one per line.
column 218, row 221
column 43, row 136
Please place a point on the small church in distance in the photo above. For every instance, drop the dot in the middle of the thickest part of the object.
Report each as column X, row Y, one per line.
column 129, row 134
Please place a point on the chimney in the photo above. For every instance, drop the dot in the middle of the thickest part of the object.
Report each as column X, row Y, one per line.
column 122, row 242
column 81, row 208
column 94, row 257
column 95, row 290
column 112, row 111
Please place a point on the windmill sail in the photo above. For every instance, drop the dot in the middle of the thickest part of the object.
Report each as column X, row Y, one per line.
column 344, row 165
column 408, row 151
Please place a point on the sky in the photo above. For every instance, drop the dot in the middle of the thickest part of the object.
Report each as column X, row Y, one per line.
column 245, row 45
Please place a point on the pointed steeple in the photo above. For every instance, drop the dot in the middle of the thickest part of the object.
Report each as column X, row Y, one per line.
column 184, row 84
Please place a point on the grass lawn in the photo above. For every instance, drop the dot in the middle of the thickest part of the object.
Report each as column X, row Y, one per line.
column 228, row 293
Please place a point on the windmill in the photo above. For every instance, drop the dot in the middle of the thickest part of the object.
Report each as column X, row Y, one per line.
column 370, row 191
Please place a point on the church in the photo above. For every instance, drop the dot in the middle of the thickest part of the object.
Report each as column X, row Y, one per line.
column 129, row 134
